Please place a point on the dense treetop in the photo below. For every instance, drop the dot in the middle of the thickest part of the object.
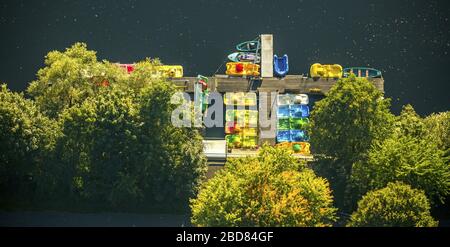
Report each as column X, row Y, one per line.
column 397, row 205
column 273, row 189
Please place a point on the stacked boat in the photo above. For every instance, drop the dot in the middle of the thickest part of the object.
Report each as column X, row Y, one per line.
column 245, row 62
column 241, row 123
column 292, row 122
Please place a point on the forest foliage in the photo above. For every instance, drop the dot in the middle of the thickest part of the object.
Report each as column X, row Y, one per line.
column 92, row 133
column 396, row 205
column 272, row 189
column 86, row 132
column 362, row 147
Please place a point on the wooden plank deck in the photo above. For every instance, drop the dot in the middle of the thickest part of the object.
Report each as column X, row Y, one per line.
column 288, row 84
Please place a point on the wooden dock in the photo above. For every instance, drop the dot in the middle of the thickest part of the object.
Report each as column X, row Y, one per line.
column 289, row 84
column 296, row 84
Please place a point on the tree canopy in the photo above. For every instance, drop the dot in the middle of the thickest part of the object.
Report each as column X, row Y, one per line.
column 346, row 122
column 100, row 134
column 409, row 123
column 397, row 205
column 27, row 139
column 175, row 160
column 273, row 189
column 92, row 132
column 100, row 146
column 407, row 155
column 122, row 148
column 438, row 130
column 70, row 77
column 344, row 125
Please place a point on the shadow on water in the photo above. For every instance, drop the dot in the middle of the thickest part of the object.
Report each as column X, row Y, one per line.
column 66, row 219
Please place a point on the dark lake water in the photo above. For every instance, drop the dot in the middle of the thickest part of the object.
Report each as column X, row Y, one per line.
column 66, row 219
column 408, row 40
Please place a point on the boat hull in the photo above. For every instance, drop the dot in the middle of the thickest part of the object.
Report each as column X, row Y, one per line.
column 281, row 65
column 326, row 71
column 248, row 46
column 297, row 147
column 168, row 71
column 362, row 72
column 242, row 69
column 244, row 57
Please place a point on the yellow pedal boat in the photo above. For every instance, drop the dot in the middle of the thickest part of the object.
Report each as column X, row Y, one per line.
column 326, row 71
column 240, row 98
column 170, row 71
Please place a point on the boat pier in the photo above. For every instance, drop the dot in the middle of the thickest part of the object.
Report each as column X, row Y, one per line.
column 217, row 152
column 289, row 84
column 215, row 145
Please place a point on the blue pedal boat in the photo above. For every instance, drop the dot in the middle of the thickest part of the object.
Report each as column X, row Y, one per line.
column 283, row 111
column 283, row 136
column 281, row 65
column 298, row 136
column 299, row 111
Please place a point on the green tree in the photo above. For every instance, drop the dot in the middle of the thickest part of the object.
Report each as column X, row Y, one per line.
column 408, row 156
column 115, row 143
column 273, row 189
column 100, row 148
column 121, row 148
column 438, row 130
column 343, row 127
column 174, row 159
column 70, row 77
column 144, row 74
column 397, row 205
column 409, row 123
column 26, row 140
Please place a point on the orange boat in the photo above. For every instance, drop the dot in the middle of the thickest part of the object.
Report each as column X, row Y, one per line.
column 242, row 69
column 297, row 147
